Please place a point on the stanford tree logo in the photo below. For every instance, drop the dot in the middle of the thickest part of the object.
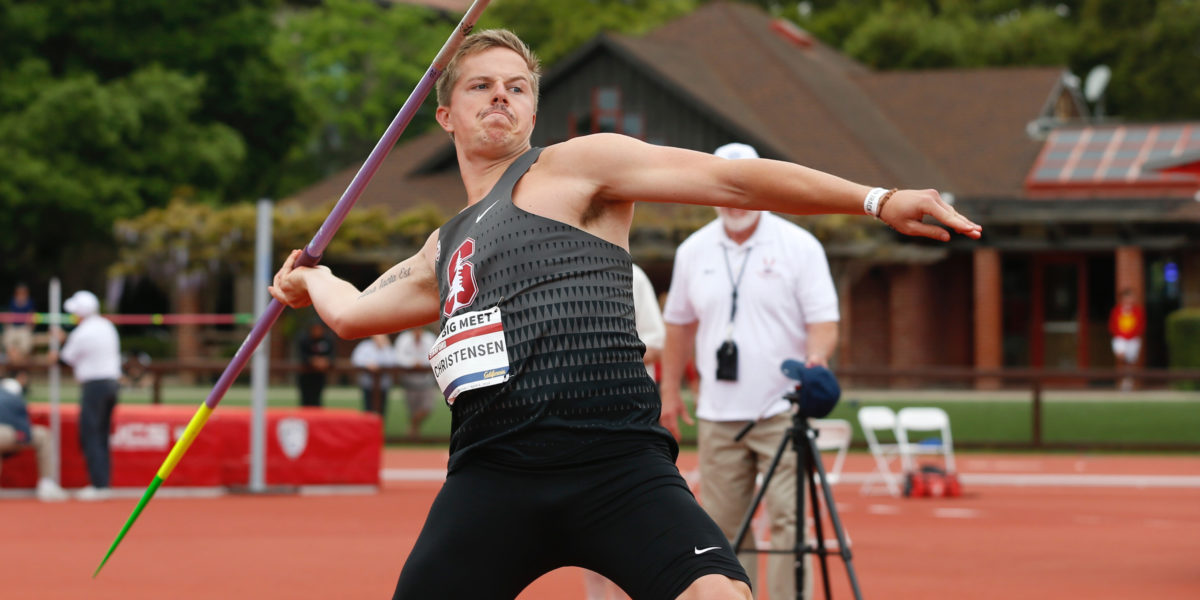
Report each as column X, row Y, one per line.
column 461, row 275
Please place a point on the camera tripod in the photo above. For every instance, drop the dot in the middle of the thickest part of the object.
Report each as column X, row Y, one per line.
column 803, row 440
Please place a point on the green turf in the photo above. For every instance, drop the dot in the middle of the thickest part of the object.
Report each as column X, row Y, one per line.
column 1144, row 421
column 1149, row 418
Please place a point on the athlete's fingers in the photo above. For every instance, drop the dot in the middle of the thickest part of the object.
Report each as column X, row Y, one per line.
column 955, row 220
column 286, row 268
column 285, row 287
column 917, row 228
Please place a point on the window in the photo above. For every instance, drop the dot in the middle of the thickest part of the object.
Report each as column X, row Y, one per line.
column 605, row 116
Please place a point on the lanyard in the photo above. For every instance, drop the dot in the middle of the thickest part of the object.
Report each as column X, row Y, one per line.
column 734, row 283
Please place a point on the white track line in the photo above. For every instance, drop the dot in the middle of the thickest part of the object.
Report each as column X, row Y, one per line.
column 985, row 479
column 438, row 475
column 126, row 493
column 956, row 513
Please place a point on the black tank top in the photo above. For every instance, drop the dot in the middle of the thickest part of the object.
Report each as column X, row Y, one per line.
column 578, row 389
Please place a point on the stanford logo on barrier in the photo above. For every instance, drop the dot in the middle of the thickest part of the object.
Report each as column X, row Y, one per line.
column 292, row 434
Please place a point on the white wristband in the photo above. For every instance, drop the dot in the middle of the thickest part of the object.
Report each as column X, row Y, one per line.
column 871, row 203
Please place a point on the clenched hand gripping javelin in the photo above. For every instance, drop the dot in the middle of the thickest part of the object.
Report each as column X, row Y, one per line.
column 311, row 255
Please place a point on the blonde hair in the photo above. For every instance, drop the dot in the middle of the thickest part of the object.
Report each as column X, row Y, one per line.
column 486, row 40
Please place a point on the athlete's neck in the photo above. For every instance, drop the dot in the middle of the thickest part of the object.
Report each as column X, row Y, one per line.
column 481, row 170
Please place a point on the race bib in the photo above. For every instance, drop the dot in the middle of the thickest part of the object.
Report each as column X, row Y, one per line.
column 470, row 353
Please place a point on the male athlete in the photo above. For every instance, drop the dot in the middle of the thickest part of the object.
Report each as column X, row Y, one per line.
column 557, row 457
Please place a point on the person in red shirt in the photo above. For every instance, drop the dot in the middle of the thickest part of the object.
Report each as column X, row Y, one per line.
column 1127, row 323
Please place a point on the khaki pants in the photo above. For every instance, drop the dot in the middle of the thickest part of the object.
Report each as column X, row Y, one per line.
column 727, row 483
column 41, row 443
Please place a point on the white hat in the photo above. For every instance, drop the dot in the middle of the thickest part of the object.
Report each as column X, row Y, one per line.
column 82, row 304
column 735, row 151
column 11, row 386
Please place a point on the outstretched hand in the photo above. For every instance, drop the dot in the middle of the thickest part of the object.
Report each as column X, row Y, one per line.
column 906, row 209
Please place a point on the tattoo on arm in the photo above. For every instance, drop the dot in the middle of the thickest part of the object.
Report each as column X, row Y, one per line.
column 400, row 273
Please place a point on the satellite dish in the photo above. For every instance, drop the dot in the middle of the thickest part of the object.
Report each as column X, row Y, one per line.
column 1097, row 80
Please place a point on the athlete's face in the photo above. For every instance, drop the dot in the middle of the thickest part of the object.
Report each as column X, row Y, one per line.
column 491, row 104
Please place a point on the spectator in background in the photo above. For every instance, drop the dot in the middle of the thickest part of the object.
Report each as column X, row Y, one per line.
column 1127, row 324
column 374, row 357
column 316, row 357
column 18, row 433
column 18, row 335
column 651, row 331
column 412, row 352
column 93, row 350
column 748, row 291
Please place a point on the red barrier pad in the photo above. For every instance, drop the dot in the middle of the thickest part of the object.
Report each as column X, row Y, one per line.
column 305, row 446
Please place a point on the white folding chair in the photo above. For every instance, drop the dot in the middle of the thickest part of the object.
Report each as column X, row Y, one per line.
column 924, row 419
column 833, row 434
column 872, row 419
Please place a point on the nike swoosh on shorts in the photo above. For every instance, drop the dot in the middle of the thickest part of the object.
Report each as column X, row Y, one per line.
column 702, row 551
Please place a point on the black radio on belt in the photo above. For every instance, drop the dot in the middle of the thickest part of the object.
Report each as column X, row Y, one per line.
column 727, row 361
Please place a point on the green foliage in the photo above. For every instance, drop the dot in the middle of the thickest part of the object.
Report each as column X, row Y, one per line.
column 80, row 153
column 355, row 63
column 1183, row 342
column 904, row 38
column 108, row 108
column 896, row 38
column 1150, row 45
column 1156, row 74
column 1037, row 37
column 554, row 28
column 224, row 43
column 190, row 242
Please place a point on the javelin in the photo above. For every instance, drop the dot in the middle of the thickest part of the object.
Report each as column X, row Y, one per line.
column 311, row 255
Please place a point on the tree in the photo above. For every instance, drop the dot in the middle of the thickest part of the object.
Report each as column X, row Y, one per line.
column 107, row 108
column 1151, row 45
column 1154, row 52
column 80, row 153
column 554, row 28
column 189, row 244
column 224, row 43
column 897, row 37
column 355, row 62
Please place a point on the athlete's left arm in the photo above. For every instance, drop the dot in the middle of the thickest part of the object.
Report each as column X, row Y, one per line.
column 623, row 169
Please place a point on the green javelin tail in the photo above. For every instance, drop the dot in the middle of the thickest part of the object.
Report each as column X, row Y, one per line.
column 181, row 447
column 146, row 496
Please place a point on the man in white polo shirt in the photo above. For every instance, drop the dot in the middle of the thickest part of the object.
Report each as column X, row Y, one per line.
column 748, row 291
column 93, row 350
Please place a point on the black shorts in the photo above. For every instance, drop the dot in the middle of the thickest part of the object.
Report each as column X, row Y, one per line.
column 493, row 530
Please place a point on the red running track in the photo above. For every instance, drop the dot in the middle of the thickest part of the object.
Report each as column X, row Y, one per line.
column 995, row 542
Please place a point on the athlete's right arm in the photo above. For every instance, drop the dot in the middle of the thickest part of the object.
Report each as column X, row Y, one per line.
column 405, row 296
